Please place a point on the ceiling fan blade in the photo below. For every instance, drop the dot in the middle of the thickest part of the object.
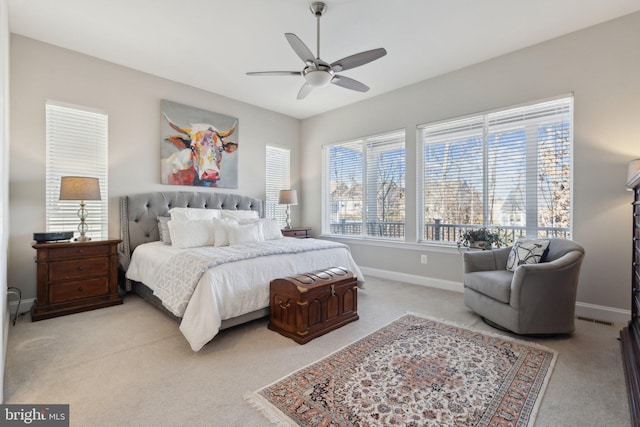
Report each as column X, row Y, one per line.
column 304, row 91
column 300, row 49
column 274, row 73
column 349, row 83
column 358, row 59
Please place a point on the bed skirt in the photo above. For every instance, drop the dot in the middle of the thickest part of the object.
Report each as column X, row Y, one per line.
column 147, row 294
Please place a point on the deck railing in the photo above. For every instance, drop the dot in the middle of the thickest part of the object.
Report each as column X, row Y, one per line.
column 438, row 231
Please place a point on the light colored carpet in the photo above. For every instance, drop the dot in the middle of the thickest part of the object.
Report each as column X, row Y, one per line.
column 129, row 365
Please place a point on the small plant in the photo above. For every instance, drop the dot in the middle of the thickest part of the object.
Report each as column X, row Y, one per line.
column 481, row 238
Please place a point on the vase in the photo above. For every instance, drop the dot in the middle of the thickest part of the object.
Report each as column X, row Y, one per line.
column 480, row 244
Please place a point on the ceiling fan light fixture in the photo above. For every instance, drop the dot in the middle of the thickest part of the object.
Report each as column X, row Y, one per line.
column 318, row 78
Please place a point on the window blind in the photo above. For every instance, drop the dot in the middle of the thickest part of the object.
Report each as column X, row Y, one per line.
column 509, row 169
column 278, row 178
column 77, row 145
column 366, row 187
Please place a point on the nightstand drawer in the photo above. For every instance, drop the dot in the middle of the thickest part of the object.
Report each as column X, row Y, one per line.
column 299, row 232
column 78, row 250
column 69, row 291
column 73, row 269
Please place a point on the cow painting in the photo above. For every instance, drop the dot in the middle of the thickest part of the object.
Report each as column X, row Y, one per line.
column 198, row 153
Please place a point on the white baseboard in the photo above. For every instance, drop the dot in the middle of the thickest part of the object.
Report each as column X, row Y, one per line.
column 25, row 305
column 601, row 312
column 583, row 309
column 431, row 282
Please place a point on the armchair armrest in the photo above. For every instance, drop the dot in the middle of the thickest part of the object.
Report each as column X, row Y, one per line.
column 495, row 259
column 548, row 281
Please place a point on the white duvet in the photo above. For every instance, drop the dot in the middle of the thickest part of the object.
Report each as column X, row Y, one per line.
column 234, row 288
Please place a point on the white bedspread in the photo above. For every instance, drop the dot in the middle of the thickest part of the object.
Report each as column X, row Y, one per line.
column 239, row 286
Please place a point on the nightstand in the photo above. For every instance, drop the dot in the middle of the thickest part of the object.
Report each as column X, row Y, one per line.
column 75, row 277
column 299, row 232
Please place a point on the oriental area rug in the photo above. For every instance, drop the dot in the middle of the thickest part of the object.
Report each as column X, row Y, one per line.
column 415, row 372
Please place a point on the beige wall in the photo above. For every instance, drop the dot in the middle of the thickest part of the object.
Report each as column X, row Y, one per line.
column 600, row 66
column 132, row 100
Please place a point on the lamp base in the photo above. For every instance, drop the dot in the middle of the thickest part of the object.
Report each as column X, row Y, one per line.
column 288, row 222
column 82, row 239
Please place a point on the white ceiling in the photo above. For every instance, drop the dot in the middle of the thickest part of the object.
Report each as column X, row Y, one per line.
column 211, row 44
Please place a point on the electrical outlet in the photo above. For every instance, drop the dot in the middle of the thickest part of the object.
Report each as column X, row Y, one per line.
column 423, row 259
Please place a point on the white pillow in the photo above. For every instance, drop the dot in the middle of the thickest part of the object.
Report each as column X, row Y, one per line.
column 231, row 214
column 221, row 227
column 248, row 233
column 192, row 234
column 163, row 229
column 527, row 251
column 270, row 229
column 187, row 214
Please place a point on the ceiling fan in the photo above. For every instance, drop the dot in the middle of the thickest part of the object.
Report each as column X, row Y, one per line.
column 318, row 73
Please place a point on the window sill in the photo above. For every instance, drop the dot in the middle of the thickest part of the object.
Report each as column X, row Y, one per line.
column 396, row 244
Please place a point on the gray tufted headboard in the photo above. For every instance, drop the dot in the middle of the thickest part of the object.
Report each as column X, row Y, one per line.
column 139, row 213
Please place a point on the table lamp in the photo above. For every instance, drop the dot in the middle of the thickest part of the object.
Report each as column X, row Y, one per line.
column 80, row 188
column 288, row 197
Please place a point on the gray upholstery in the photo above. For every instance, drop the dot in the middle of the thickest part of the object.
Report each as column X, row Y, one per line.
column 535, row 299
column 139, row 214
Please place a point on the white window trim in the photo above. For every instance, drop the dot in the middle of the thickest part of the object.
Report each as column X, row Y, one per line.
column 420, row 201
column 52, row 182
column 285, row 184
column 325, row 211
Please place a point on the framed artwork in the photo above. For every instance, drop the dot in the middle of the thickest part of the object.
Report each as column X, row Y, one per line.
column 198, row 147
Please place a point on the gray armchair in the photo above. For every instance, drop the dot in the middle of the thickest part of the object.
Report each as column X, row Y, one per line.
column 535, row 299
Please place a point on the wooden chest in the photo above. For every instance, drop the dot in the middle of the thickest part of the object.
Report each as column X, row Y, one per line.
column 309, row 305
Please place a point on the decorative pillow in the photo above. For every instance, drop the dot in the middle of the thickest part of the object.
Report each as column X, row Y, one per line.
column 192, row 234
column 187, row 214
column 163, row 229
column 237, row 215
column 248, row 233
column 221, row 227
column 270, row 229
column 527, row 251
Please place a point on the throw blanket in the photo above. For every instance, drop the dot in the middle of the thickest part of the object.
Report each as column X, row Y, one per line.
column 178, row 278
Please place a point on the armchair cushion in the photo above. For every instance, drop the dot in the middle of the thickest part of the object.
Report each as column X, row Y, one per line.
column 494, row 284
column 527, row 251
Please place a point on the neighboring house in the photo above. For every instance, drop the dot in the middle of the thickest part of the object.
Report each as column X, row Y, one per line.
column 513, row 210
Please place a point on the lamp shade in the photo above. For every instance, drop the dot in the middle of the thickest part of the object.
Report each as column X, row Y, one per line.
column 79, row 188
column 633, row 173
column 288, row 197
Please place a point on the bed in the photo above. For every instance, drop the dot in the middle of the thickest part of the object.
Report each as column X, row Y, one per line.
column 209, row 288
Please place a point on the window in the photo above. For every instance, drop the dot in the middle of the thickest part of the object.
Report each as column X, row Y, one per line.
column 509, row 169
column 76, row 140
column 277, row 169
column 365, row 187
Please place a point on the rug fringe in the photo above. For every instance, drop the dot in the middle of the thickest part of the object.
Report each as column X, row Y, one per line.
column 543, row 389
column 269, row 411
